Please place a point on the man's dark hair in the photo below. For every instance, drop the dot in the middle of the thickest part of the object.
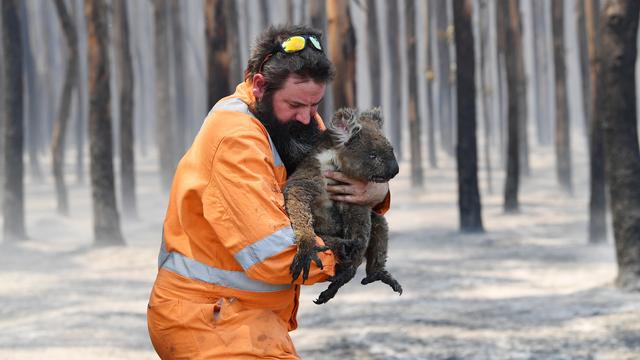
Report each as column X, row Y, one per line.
column 308, row 63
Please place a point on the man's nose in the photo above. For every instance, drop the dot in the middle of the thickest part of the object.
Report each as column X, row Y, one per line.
column 303, row 117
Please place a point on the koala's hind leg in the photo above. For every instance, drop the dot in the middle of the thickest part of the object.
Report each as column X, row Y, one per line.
column 298, row 201
column 377, row 254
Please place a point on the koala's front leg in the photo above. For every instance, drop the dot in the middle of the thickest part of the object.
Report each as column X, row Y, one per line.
column 377, row 254
column 298, row 203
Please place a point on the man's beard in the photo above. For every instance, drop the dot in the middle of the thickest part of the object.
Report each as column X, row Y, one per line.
column 292, row 139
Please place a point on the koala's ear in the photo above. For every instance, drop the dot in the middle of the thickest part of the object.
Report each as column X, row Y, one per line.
column 344, row 124
column 375, row 115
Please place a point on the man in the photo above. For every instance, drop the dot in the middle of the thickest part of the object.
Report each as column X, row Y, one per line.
column 224, row 288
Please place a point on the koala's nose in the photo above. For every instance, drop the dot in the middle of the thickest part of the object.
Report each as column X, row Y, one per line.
column 393, row 167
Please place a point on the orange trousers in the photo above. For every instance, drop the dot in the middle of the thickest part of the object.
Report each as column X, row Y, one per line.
column 221, row 329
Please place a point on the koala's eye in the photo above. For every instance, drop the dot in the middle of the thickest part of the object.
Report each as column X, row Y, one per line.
column 373, row 156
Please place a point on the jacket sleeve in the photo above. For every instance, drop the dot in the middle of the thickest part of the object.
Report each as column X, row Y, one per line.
column 244, row 204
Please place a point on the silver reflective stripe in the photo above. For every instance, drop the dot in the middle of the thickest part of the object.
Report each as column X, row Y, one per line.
column 237, row 105
column 196, row 270
column 265, row 248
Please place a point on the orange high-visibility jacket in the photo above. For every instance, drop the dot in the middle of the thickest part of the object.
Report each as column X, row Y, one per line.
column 227, row 245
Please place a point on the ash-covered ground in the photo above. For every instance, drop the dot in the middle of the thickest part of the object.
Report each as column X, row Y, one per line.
column 529, row 288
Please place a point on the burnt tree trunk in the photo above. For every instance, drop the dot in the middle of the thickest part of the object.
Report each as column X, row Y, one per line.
column 180, row 87
column 13, row 200
column 60, row 127
column 502, row 111
column 466, row 148
column 417, row 178
column 509, row 8
column 521, row 90
column 444, row 75
column 164, row 125
column 563, row 138
column 597, row 200
column 619, row 122
column 484, row 86
column 233, row 43
column 583, row 47
column 430, row 89
column 342, row 47
column 106, row 222
column 81, row 91
column 393, row 48
column 126, row 82
column 318, row 16
column 373, row 52
column 218, row 58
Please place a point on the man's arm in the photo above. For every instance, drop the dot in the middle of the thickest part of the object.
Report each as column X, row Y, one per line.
column 245, row 207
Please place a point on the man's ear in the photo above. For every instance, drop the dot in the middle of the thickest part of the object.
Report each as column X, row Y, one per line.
column 259, row 86
column 344, row 124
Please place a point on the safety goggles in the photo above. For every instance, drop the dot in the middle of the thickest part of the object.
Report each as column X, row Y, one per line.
column 294, row 44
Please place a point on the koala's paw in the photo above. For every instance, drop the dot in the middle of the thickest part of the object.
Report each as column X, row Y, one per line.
column 385, row 277
column 302, row 261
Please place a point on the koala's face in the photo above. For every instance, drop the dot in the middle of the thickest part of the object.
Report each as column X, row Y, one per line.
column 366, row 154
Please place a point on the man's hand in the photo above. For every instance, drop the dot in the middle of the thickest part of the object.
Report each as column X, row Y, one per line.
column 355, row 191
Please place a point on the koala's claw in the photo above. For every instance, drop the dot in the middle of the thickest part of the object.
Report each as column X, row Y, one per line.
column 302, row 262
column 385, row 277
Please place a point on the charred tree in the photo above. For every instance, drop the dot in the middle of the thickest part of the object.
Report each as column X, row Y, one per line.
column 13, row 200
column 81, row 91
column 417, row 178
column 342, row 47
column 60, row 127
column 373, row 52
column 485, row 88
column 521, row 90
column 583, row 48
column 509, row 9
column 430, row 89
column 622, row 154
column 563, row 136
column 597, row 199
column 318, row 19
column 218, row 57
column 34, row 114
column 393, row 48
column 126, row 82
column 466, row 148
column 164, row 125
column 179, row 79
column 106, row 221
column 444, row 75
column 233, row 43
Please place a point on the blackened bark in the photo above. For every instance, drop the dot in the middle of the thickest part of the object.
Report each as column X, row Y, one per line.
column 393, row 49
column 583, row 48
column 521, row 90
column 597, row 199
column 417, row 178
column 126, row 82
column 484, row 85
column 430, row 90
column 619, row 50
column 373, row 52
column 563, row 138
column 179, row 85
column 218, row 58
column 164, row 129
column 60, row 127
column 233, row 43
column 13, row 200
column 444, row 74
column 342, row 44
column 106, row 224
column 81, row 91
column 466, row 148
column 509, row 8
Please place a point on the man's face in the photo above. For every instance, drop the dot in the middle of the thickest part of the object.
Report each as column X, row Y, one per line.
column 289, row 116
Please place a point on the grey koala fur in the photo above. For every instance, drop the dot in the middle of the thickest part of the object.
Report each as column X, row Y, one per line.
column 354, row 145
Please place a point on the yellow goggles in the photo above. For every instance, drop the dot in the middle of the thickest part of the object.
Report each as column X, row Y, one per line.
column 299, row 42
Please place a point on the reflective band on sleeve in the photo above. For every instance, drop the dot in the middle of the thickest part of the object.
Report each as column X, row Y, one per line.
column 265, row 248
column 196, row 270
column 237, row 105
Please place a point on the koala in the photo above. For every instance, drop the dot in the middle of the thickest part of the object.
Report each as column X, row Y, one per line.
column 355, row 145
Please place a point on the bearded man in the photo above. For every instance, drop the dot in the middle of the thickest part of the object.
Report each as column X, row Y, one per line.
column 223, row 288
